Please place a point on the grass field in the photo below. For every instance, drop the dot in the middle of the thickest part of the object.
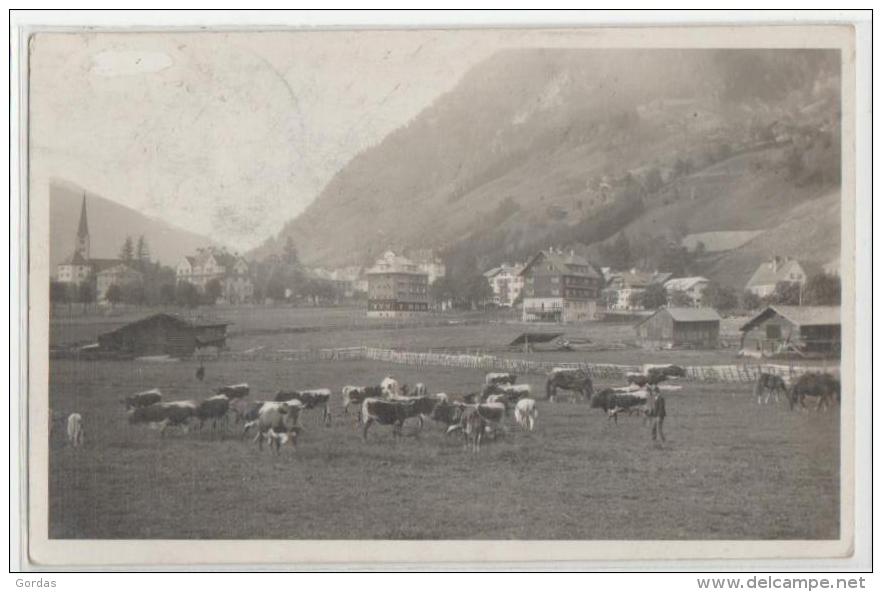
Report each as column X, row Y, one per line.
column 729, row 470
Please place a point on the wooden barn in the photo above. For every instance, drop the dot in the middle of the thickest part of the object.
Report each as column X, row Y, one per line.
column 801, row 330
column 163, row 334
column 680, row 327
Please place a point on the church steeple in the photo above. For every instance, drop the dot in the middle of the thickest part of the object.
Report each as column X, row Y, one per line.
column 82, row 248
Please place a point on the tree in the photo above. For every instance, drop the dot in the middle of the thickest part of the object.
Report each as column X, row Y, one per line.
column 127, row 252
column 681, row 298
column 618, row 255
column 822, row 290
column 654, row 296
column 786, row 293
column 213, row 291
column 477, row 290
column 86, row 292
column 750, row 301
column 187, row 295
column 142, row 254
column 167, row 294
column 290, row 254
column 442, row 290
column 114, row 294
column 58, row 292
column 719, row 297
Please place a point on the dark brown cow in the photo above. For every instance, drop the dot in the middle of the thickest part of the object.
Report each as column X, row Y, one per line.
column 823, row 386
column 162, row 415
column 615, row 402
column 384, row 412
column 569, row 379
column 213, row 409
column 768, row 384
column 656, row 375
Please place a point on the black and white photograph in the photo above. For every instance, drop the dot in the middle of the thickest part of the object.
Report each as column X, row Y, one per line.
column 540, row 286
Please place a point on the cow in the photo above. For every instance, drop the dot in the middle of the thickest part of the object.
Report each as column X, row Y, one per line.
column 500, row 378
column 419, row 390
column 75, row 429
column 615, row 402
column 245, row 411
column 391, row 388
column 510, row 392
column 823, row 386
column 474, row 427
column 162, row 415
column 213, row 409
column 492, row 413
column 447, row 413
column 356, row 395
column 384, row 412
column 278, row 422
column 768, row 384
column 525, row 414
column 310, row 399
column 570, row 379
column 234, row 391
column 142, row 399
column 655, row 374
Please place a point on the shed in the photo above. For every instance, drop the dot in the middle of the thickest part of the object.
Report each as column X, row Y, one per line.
column 806, row 330
column 680, row 327
column 163, row 334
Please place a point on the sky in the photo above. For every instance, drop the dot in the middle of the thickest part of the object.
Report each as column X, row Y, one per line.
column 231, row 135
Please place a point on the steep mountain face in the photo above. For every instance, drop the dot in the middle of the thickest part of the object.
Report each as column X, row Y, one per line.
column 109, row 225
column 537, row 147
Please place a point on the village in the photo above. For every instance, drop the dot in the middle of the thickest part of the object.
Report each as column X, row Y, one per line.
column 789, row 307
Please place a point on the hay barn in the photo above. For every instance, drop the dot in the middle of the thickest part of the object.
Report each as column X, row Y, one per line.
column 806, row 330
column 680, row 327
column 163, row 334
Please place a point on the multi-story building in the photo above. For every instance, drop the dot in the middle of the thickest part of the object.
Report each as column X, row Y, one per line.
column 692, row 287
column 230, row 271
column 397, row 287
column 560, row 287
column 506, row 282
column 623, row 288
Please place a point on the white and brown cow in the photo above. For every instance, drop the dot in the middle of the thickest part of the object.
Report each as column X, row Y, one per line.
column 510, row 394
column 278, row 423
column 385, row 412
column 391, row 388
column 142, row 399
column 234, row 391
column 311, row 399
column 356, row 395
column 163, row 415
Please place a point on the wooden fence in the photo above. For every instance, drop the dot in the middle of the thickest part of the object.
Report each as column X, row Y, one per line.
column 722, row 373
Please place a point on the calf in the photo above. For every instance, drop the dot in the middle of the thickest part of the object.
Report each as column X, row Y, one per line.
column 213, row 409
column 310, row 399
column 392, row 413
column 142, row 399
column 526, row 413
column 234, row 391
column 162, row 415
column 500, row 378
column 75, row 429
column 278, row 422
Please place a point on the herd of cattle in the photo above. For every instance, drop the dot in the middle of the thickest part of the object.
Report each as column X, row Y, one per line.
column 476, row 415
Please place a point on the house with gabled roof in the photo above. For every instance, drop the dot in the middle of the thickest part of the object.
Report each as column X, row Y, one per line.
column 623, row 287
column 805, row 330
column 679, row 327
column 774, row 271
column 506, row 282
column 560, row 287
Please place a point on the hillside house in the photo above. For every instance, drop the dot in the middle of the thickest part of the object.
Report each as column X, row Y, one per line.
column 397, row 288
column 775, row 270
column 560, row 287
column 118, row 275
column 693, row 287
column 624, row 287
column 163, row 334
column 680, row 328
column 506, row 282
column 808, row 330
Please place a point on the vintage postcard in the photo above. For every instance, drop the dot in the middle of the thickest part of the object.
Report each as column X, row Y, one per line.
column 440, row 295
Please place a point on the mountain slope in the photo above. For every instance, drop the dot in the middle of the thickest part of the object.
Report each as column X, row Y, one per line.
column 537, row 147
column 109, row 224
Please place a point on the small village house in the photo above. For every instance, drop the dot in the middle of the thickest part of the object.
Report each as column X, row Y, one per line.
column 775, row 270
column 692, row 287
column 680, row 328
column 397, row 288
column 807, row 330
column 560, row 287
column 163, row 334
column 624, row 287
column 232, row 272
column 119, row 275
column 506, row 283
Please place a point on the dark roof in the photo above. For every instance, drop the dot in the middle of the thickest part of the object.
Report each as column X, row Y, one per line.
column 535, row 338
column 687, row 315
column 76, row 259
column 567, row 263
column 801, row 316
column 174, row 319
column 83, row 229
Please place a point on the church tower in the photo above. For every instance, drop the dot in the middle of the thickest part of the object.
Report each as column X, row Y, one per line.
column 82, row 248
